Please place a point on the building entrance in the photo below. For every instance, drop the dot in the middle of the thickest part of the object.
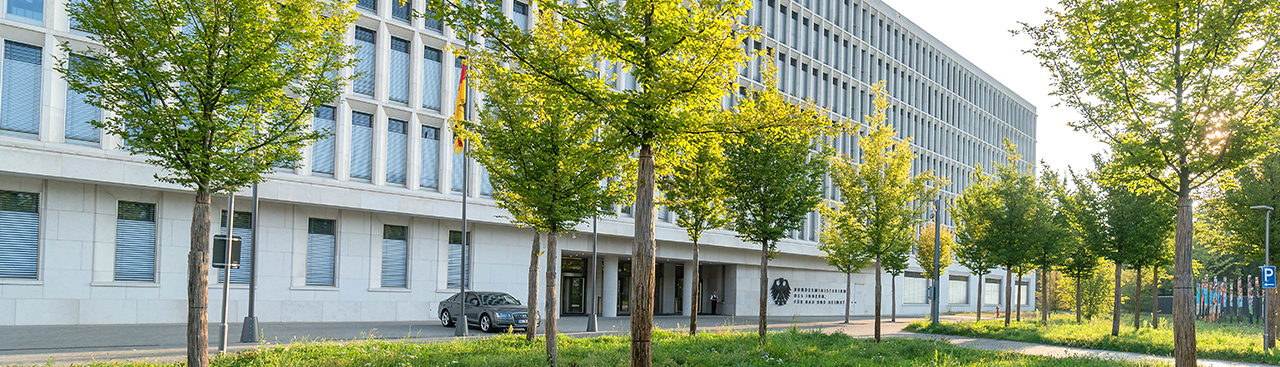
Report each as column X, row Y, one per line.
column 573, row 283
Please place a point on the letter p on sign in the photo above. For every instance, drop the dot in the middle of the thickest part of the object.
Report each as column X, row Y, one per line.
column 1268, row 277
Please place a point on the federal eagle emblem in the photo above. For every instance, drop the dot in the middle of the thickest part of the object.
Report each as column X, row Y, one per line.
column 780, row 291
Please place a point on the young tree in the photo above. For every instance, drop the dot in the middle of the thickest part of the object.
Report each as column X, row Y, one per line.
column 895, row 264
column 1012, row 225
column 839, row 243
column 694, row 193
column 975, row 212
column 923, row 250
column 1182, row 91
column 1087, row 228
column 877, row 195
column 675, row 57
column 773, row 176
column 218, row 99
column 545, row 162
column 1137, row 223
column 1048, row 248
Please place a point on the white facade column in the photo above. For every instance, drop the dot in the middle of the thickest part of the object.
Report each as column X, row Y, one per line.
column 668, row 287
column 689, row 283
column 609, row 307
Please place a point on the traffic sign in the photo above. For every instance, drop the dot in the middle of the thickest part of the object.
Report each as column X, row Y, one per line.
column 1268, row 276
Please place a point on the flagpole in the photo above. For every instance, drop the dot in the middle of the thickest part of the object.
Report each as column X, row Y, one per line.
column 465, row 90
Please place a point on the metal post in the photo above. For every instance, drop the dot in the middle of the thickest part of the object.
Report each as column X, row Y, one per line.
column 226, row 270
column 591, row 290
column 937, row 254
column 1266, row 293
column 249, row 332
column 462, row 327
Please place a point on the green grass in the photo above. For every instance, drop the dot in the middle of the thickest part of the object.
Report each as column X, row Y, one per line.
column 1213, row 340
column 791, row 348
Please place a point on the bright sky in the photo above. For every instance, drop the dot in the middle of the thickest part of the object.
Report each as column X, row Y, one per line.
column 979, row 31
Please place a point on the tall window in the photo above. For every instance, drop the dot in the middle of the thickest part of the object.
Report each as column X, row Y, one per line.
column 366, row 59
column 430, row 172
column 399, row 70
column 430, row 20
column 19, row 234
column 20, row 92
column 914, row 288
column 368, row 4
column 31, row 10
column 80, row 112
column 455, row 260
column 401, row 11
column 361, row 145
column 322, row 151
column 395, row 256
column 958, row 290
column 520, row 11
column 321, row 252
column 991, row 291
column 243, row 228
column 397, row 150
column 1025, row 290
column 135, row 242
column 431, row 68
column 458, row 177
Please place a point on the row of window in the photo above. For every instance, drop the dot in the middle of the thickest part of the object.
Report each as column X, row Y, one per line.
column 136, row 245
column 915, row 290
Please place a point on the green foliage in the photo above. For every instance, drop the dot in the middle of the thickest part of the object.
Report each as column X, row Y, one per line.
column 1051, row 222
column 1001, row 216
column 877, row 216
column 1085, row 217
column 923, row 249
column 974, row 212
column 793, row 348
column 1182, row 91
column 1216, row 341
column 1096, row 289
column 543, row 157
column 1138, row 224
column 216, row 98
column 694, row 191
column 1234, row 228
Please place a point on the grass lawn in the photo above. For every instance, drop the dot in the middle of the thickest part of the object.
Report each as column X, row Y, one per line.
column 1213, row 340
column 791, row 348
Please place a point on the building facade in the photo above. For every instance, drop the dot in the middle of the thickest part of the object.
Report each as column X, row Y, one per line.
column 368, row 229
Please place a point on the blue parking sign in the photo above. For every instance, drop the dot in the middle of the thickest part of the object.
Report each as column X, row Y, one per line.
column 1268, row 276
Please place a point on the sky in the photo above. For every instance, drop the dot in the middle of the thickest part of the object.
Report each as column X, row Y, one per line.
column 979, row 31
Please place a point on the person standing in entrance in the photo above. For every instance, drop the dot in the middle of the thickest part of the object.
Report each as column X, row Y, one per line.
column 715, row 298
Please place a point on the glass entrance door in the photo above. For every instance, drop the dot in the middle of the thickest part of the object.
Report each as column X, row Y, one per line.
column 573, row 301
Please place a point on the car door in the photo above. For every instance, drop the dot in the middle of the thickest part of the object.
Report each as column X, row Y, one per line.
column 473, row 308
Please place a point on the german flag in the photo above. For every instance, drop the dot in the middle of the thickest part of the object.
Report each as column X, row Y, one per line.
column 460, row 109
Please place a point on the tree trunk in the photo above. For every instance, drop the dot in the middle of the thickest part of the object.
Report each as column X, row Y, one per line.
column 1115, row 302
column 893, row 298
column 1008, row 295
column 764, row 289
column 1079, row 294
column 531, row 332
column 1044, row 297
column 848, row 288
column 696, row 295
column 1137, row 301
column 878, row 290
column 553, row 299
column 1184, row 323
column 982, row 284
column 1273, row 305
column 198, row 282
column 1019, row 303
column 1155, row 298
column 642, row 263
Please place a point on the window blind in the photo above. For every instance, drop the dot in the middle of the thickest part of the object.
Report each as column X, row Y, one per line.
column 135, row 242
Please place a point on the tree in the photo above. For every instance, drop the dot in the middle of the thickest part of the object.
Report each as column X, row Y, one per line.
column 672, row 59
column 877, row 214
column 1183, row 91
column 923, row 249
column 1137, row 224
column 773, row 176
column 895, row 264
column 975, row 212
column 1048, row 248
column 1012, row 220
column 839, row 244
column 693, row 191
column 1087, row 228
column 217, row 105
column 545, row 162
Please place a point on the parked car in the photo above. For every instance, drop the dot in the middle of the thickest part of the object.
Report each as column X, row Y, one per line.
column 490, row 311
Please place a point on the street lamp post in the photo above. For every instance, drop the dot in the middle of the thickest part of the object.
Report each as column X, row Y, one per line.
column 937, row 255
column 592, row 324
column 1267, row 342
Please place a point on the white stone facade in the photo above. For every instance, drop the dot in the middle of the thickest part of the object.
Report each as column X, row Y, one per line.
column 957, row 121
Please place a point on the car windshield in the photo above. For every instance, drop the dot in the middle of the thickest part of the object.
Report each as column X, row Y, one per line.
column 499, row 299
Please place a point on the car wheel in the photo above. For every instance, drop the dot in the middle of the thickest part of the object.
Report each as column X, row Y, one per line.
column 486, row 325
column 445, row 318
